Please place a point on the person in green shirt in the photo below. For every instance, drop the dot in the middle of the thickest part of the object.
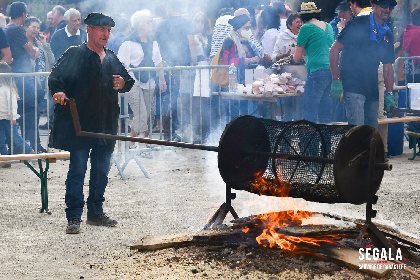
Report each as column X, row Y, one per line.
column 315, row 39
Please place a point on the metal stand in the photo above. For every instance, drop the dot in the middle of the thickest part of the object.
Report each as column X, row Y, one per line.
column 129, row 155
column 377, row 237
column 221, row 213
column 43, row 176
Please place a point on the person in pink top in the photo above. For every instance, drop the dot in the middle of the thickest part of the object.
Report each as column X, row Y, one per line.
column 411, row 46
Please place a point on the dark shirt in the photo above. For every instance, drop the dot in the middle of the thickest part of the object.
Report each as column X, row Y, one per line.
column 3, row 40
column 333, row 24
column 361, row 56
column 17, row 39
column 60, row 42
column 60, row 25
column 172, row 37
column 80, row 74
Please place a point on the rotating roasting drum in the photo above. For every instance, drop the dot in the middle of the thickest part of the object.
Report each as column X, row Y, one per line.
column 321, row 163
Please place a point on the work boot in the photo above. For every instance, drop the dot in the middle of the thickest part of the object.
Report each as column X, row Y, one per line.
column 101, row 220
column 73, row 226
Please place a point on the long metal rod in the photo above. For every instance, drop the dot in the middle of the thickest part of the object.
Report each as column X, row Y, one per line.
column 79, row 132
column 149, row 141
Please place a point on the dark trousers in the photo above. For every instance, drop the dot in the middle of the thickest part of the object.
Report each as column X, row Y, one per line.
column 29, row 106
column 100, row 161
column 169, row 104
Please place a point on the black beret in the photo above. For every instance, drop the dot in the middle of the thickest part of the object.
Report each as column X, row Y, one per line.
column 238, row 21
column 99, row 19
column 389, row 3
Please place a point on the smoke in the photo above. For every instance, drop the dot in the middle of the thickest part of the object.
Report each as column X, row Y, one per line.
column 128, row 7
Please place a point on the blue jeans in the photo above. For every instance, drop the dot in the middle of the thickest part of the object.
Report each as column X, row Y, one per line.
column 361, row 111
column 317, row 102
column 19, row 146
column 100, row 162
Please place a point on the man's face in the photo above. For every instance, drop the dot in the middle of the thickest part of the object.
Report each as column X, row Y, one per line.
column 74, row 22
column 98, row 35
column 50, row 19
column 382, row 11
column 56, row 18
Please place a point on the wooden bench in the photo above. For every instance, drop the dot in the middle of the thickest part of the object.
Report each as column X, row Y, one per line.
column 416, row 136
column 404, row 119
column 43, row 171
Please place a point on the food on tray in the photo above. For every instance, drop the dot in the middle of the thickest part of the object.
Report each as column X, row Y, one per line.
column 278, row 84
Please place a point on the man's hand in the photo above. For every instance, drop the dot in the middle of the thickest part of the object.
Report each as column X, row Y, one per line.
column 60, row 98
column 336, row 89
column 118, row 82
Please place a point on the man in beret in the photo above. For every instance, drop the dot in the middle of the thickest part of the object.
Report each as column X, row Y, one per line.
column 91, row 75
column 366, row 42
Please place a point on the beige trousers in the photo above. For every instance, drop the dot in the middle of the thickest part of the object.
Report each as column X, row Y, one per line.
column 140, row 101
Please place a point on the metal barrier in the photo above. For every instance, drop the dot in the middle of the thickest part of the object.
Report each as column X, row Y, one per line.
column 32, row 89
column 191, row 110
column 409, row 70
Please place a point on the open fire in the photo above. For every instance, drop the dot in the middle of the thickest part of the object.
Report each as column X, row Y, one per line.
column 270, row 236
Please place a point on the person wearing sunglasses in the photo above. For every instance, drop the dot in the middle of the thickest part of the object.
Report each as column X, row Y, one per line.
column 364, row 43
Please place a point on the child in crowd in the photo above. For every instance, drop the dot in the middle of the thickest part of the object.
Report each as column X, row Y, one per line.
column 9, row 132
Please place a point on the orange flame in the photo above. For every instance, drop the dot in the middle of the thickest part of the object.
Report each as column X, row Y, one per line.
column 264, row 186
column 272, row 239
column 272, row 221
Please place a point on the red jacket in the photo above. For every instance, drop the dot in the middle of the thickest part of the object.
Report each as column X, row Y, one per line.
column 411, row 40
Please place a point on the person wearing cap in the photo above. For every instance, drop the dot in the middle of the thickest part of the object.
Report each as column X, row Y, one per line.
column 236, row 49
column 93, row 76
column 364, row 43
column 315, row 38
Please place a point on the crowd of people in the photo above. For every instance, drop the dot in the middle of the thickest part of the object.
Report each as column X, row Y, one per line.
column 340, row 82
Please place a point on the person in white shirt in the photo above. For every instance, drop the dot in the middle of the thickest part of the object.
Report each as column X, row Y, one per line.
column 286, row 41
column 292, row 107
column 9, row 130
column 141, row 51
column 270, row 21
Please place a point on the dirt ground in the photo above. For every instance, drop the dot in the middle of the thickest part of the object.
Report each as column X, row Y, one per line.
column 184, row 189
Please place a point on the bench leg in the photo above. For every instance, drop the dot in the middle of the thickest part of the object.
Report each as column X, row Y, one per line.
column 43, row 176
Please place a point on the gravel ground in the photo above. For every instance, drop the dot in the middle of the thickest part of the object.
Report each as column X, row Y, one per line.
column 184, row 189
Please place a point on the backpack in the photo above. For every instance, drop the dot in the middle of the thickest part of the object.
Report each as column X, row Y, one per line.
column 219, row 76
